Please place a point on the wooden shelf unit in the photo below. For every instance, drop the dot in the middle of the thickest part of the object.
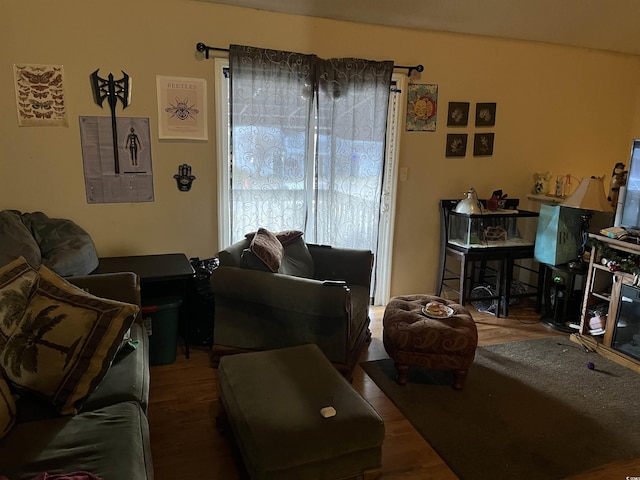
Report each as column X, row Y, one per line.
column 604, row 285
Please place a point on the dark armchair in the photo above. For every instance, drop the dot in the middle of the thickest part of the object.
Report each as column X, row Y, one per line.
column 319, row 295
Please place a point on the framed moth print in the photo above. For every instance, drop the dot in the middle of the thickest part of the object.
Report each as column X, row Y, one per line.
column 40, row 95
column 458, row 115
column 182, row 108
column 482, row 144
column 456, row 145
column 485, row 114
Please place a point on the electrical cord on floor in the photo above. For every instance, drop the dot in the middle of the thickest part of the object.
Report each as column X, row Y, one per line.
column 579, row 339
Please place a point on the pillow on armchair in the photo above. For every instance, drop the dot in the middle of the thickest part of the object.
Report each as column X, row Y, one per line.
column 282, row 252
column 265, row 250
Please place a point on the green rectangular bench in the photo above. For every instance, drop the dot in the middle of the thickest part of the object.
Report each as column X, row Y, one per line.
column 272, row 402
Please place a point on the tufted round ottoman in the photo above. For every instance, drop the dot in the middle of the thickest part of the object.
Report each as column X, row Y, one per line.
column 413, row 339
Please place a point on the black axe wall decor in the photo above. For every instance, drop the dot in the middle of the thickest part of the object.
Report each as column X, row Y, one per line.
column 114, row 90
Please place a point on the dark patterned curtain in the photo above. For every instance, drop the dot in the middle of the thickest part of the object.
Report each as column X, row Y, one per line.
column 307, row 140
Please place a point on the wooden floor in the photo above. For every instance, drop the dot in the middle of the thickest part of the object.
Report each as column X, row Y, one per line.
column 184, row 404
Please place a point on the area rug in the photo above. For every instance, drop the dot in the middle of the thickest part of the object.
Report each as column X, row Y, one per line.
column 530, row 409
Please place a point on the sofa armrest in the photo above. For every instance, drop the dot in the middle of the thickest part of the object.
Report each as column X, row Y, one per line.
column 351, row 265
column 232, row 255
column 298, row 294
column 121, row 286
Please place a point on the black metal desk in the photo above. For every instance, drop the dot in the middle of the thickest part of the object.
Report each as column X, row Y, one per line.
column 505, row 257
column 159, row 275
column 470, row 256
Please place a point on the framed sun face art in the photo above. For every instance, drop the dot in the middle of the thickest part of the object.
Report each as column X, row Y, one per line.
column 422, row 107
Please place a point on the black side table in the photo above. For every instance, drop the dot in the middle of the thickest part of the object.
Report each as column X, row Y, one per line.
column 561, row 300
column 160, row 275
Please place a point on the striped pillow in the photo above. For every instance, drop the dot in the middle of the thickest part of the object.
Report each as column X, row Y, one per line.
column 65, row 342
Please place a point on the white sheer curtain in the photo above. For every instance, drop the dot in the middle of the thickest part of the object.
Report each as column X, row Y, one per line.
column 307, row 140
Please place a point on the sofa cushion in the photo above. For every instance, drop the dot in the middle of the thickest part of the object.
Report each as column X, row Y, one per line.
column 111, row 442
column 297, row 260
column 128, row 377
column 7, row 408
column 65, row 342
column 66, row 248
column 266, row 246
column 17, row 279
column 16, row 240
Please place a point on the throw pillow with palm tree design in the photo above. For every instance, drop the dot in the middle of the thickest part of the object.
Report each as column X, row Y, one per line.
column 17, row 279
column 65, row 341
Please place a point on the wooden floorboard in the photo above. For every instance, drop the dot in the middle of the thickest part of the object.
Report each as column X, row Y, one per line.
column 186, row 444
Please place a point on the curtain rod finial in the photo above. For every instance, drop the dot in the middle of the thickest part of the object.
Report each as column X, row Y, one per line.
column 201, row 47
column 417, row 68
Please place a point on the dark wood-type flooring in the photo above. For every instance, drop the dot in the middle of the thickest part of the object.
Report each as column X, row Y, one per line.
column 184, row 404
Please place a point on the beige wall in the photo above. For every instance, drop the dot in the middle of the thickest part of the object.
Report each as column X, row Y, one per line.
column 561, row 109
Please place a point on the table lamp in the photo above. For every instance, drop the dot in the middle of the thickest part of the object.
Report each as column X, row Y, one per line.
column 588, row 197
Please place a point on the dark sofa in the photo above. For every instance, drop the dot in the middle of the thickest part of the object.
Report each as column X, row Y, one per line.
column 109, row 436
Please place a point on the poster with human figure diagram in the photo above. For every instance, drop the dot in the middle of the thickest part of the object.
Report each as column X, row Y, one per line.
column 132, row 181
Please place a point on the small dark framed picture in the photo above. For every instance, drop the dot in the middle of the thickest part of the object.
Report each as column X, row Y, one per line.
column 458, row 114
column 456, row 145
column 485, row 114
column 482, row 144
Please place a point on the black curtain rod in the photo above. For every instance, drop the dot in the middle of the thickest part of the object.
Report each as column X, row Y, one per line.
column 201, row 47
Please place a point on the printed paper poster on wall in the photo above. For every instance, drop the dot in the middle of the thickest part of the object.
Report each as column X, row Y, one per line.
column 132, row 181
column 40, row 95
column 182, row 108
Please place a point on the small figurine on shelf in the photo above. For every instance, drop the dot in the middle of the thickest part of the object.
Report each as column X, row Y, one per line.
column 618, row 179
column 560, row 186
column 541, row 183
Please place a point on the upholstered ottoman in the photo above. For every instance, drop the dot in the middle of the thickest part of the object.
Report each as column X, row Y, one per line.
column 272, row 402
column 413, row 339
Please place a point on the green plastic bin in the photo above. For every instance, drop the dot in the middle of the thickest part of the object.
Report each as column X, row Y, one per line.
column 160, row 317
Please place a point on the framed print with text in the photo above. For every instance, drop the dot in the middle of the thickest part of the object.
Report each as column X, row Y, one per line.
column 182, row 108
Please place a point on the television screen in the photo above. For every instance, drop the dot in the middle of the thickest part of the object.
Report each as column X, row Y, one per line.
column 630, row 219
